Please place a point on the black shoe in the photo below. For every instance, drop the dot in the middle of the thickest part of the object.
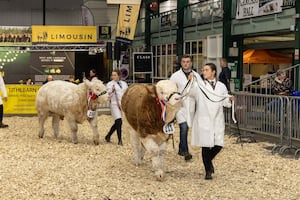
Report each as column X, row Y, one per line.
column 181, row 153
column 188, row 157
column 3, row 125
column 120, row 143
column 107, row 138
column 208, row 176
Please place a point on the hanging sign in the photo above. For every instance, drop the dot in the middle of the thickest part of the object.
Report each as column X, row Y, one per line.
column 128, row 16
column 255, row 8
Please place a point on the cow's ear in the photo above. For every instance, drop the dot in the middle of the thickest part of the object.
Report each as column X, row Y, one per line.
column 87, row 83
column 159, row 91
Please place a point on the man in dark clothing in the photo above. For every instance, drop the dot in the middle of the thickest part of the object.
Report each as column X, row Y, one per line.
column 225, row 74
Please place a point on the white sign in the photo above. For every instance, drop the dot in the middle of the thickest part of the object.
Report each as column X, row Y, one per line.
column 123, row 1
column 254, row 8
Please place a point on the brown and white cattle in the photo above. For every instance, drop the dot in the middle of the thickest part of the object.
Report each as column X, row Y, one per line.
column 61, row 99
column 143, row 107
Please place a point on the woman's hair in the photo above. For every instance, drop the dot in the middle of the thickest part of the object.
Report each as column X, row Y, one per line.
column 279, row 72
column 117, row 71
column 213, row 67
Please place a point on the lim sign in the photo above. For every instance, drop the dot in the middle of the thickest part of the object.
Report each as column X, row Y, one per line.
column 64, row 34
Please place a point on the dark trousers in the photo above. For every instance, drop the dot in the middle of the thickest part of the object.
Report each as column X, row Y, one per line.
column 1, row 113
column 116, row 126
column 208, row 154
column 183, row 143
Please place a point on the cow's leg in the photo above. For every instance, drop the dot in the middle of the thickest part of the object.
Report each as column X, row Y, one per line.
column 157, row 156
column 42, row 118
column 94, row 124
column 55, row 124
column 73, row 125
column 138, row 149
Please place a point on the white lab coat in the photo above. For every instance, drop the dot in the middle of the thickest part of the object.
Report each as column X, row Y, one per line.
column 209, row 124
column 3, row 90
column 116, row 97
column 186, row 112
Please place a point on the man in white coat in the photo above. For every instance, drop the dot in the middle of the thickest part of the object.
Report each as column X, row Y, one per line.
column 209, row 124
column 185, row 114
column 4, row 96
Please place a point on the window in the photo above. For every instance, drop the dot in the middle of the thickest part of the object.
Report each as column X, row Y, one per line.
column 164, row 60
column 194, row 49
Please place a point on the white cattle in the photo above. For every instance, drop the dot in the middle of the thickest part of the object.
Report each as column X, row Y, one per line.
column 61, row 99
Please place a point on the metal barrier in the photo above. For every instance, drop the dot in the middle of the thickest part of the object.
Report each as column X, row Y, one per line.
column 294, row 125
column 268, row 115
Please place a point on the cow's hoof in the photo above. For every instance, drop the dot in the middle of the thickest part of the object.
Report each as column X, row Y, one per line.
column 159, row 175
column 96, row 142
column 75, row 142
column 41, row 135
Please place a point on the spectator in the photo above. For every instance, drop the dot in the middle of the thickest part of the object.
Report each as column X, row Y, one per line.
column 72, row 79
column 49, row 78
column 28, row 81
column 225, row 74
column 93, row 74
column 282, row 84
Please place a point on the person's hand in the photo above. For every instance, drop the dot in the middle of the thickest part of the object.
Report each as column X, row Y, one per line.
column 231, row 98
column 5, row 98
column 191, row 76
column 113, row 88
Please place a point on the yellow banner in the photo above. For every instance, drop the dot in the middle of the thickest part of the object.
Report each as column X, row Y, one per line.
column 21, row 99
column 64, row 34
column 128, row 15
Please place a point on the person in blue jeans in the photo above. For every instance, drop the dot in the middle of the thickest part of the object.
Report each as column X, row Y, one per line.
column 185, row 114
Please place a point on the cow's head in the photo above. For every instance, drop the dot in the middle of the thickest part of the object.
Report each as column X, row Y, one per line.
column 167, row 91
column 97, row 90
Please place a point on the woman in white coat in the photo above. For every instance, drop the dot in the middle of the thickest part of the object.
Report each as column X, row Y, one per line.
column 209, row 123
column 116, row 89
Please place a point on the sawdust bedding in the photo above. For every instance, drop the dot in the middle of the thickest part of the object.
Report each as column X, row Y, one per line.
column 34, row 168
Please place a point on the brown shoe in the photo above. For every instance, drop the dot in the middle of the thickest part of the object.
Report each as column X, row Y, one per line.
column 3, row 125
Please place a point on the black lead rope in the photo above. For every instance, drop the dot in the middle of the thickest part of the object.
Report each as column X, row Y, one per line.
column 186, row 85
column 207, row 95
